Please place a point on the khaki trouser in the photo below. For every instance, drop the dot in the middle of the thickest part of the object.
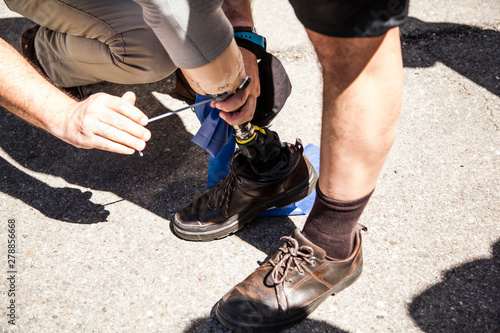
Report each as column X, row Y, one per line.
column 83, row 41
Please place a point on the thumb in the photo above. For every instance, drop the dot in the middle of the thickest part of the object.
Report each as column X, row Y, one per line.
column 129, row 97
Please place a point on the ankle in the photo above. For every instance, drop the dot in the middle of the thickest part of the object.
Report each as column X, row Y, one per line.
column 331, row 224
column 265, row 152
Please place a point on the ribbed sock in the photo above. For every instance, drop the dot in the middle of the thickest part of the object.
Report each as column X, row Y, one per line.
column 331, row 224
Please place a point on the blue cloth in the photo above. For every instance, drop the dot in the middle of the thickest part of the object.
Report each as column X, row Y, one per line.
column 216, row 136
column 218, row 166
column 214, row 132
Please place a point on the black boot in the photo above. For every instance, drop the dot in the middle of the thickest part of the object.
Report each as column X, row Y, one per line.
column 277, row 175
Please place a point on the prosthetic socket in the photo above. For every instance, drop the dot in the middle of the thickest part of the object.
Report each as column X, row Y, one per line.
column 226, row 74
column 222, row 75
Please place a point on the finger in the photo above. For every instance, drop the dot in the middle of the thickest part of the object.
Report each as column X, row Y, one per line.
column 118, row 136
column 234, row 102
column 245, row 114
column 111, row 146
column 127, row 109
column 124, row 124
column 130, row 97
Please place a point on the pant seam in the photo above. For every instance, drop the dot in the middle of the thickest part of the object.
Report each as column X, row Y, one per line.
column 104, row 23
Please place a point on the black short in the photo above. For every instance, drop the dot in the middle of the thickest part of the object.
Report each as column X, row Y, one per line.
column 351, row 18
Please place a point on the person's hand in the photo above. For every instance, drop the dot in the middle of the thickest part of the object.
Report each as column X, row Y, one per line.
column 246, row 99
column 104, row 122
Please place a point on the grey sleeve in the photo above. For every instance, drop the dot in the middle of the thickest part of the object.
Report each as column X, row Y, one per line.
column 194, row 32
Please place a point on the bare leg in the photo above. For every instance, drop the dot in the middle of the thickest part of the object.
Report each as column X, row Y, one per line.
column 362, row 91
column 362, row 88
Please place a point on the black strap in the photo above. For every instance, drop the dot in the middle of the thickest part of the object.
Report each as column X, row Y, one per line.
column 258, row 50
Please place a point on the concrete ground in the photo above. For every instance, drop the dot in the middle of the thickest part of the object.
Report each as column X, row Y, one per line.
column 95, row 252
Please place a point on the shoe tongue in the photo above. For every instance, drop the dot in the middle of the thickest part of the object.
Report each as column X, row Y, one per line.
column 318, row 252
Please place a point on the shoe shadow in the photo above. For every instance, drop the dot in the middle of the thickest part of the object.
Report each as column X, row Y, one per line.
column 471, row 51
column 212, row 325
column 264, row 233
column 171, row 170
column 467, row 300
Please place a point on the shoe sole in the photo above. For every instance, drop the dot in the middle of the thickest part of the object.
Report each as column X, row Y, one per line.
column 293, row 318
column 237, row 222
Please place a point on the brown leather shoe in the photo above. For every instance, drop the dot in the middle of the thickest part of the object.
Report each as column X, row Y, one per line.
column 28, row 48
column 289, row 286
column 244, row 193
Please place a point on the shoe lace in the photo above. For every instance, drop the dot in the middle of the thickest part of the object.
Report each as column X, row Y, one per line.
column 224, row 188
column 292, row 256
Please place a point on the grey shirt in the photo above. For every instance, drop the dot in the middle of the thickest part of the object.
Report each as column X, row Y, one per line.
column 194, row 32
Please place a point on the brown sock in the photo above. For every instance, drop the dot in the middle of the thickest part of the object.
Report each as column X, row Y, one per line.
column 331, row 224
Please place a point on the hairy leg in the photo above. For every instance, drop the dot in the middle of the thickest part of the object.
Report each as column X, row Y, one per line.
column 362, row 80
column 362, row 87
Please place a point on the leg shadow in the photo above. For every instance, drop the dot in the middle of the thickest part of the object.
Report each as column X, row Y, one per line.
column 471, row 51
column 467, row 300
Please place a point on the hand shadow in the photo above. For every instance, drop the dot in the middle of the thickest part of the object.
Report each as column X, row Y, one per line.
column 64, row 204
column 466, row 300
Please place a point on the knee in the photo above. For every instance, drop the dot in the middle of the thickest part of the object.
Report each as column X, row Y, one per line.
column 141, row 56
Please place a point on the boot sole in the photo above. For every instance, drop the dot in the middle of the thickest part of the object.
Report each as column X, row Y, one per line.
column 237, row 222
column 293, row 317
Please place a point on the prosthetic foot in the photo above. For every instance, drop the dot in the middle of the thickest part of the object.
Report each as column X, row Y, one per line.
column 264, row 173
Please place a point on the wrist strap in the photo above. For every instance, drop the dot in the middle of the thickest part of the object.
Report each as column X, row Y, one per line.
column 252, row 42
column 245, row 29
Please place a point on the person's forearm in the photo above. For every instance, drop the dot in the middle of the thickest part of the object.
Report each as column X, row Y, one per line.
column 101, row 121
column 238, row 12
column 24, row 92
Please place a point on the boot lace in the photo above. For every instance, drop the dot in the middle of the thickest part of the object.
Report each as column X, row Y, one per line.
column 224, row 188
column 291, row 257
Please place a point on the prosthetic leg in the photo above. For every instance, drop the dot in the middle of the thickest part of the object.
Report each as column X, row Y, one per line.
column 260, row 146
column 264, row 173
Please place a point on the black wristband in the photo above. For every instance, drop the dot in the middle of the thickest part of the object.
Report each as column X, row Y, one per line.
column 256, row 49
column 245, row 29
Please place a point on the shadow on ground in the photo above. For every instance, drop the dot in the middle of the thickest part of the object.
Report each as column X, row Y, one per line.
column 467, row 300
column 64, row 204
column 212, row 325
column 171, row 172
column 173, row 169
column 468, row 50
